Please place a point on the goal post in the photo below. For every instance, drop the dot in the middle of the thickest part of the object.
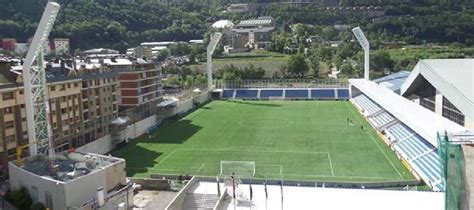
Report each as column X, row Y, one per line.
column 240, row 169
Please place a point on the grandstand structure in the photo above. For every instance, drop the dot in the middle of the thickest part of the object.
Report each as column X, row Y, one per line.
column 409, row 129
column 444, row 86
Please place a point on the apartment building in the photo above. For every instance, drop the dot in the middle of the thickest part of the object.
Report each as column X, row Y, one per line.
column 64, row 93
column 99, row 100
column 140, row 86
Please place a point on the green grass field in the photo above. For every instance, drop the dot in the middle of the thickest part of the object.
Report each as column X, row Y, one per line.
column 298, row 140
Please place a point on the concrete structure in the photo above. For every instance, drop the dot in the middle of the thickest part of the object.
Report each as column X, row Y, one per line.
column 21, row 48
column 238, row 8
column 76, row 181
column 393, row 81
column 204, row 195
column 444, row 86
column 61, row 45
column 252, row 34
column 101, row 52
column 143, row 52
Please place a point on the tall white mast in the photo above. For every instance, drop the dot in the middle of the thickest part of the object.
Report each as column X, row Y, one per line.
column 215, row 38
column 34, row 79
column 364, row 43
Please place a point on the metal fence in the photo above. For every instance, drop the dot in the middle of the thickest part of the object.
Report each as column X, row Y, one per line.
column 280, row 83
column 452, row 160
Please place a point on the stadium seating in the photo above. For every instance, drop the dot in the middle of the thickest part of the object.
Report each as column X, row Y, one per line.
column 265, row 94
column 422, row 155
column 343, row 93
column 296, row 93
column 286, row 93
column 226, row 94
column 246, row 94
column 365, row 103
column 381, row 119
column 323, row 93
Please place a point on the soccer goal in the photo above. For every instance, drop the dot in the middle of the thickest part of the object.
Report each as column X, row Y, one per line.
column 241, row 169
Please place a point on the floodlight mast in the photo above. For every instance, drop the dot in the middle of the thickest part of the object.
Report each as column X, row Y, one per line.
column 34, row 79
column 364, row 43
column 215, row 38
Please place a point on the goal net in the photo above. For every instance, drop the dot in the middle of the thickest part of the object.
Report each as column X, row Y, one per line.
column 240, row 169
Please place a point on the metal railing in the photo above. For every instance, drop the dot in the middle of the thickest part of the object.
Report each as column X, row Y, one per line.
column 280, row 83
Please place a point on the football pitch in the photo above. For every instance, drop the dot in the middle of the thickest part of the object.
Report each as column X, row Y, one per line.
column 295, row 140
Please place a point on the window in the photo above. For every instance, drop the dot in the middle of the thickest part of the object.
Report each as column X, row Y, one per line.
column 21, row 92
column 452, row 113
column 8, row 110
column 68, row 85
column 7, row 96
column 53, row 87
column 64, row 110
column 9, row 124
column 10, row 139
column 76, row 84
column 63, row 87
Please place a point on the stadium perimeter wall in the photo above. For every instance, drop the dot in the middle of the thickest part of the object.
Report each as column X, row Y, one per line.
column 104, row 145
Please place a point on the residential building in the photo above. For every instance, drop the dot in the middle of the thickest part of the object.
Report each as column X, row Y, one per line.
column 238, row 8
column 61, row 45
column 140, row 84
column 8, row 44
column 253, row 34
column 99, row 100
column 143, row 52
column 101, row 52
column 64, row 100
column 21, row 48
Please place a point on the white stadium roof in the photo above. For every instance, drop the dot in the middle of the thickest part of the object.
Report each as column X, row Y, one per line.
column 423, row 121
column 454, row 78
column 223, row 24
column 309, row 198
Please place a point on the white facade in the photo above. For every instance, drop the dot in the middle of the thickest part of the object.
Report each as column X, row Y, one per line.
column 61, row 46
column 21, row 48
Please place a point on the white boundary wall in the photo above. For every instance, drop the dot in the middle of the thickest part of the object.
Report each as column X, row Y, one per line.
column 104, row 145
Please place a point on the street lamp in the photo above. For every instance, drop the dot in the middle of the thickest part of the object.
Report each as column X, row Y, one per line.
column 364, row 43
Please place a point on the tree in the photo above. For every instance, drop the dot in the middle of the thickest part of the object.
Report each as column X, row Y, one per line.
column 162, row 55
column 314, row 64
column 296, row 66
column 380, row 60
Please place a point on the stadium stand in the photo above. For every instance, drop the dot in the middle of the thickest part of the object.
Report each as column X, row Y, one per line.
column 381, row 119
column 421, row 155
column 227, row 94
column 367, row 105
column 246, row 94
column 323, row 93
column 343, row 93
column 265, row 94
column 296, row 93
column 287, row 93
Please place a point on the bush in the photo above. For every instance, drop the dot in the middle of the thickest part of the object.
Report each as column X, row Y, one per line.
column 38, row 206
column 20, row 198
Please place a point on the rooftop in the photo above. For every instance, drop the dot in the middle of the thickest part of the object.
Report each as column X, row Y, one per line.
column 68, row 166
column 454, row 78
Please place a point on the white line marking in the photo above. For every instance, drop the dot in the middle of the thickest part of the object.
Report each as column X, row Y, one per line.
column 200, row 168
column 375, row 142
column 330, row 164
